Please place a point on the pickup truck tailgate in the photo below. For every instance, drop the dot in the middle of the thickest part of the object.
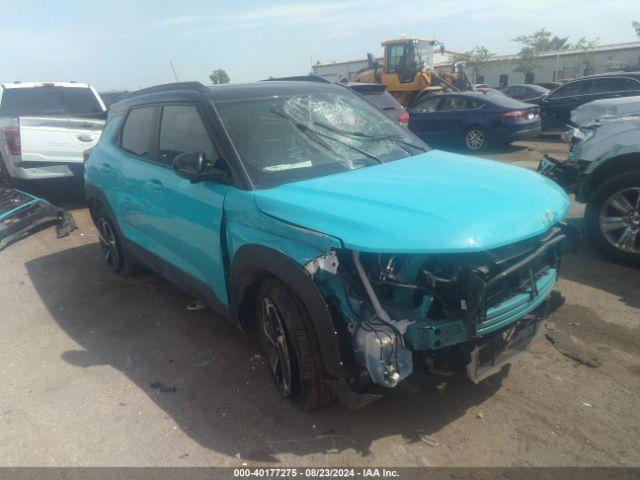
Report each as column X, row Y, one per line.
column 56, row 140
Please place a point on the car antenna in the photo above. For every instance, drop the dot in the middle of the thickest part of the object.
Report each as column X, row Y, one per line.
column 174, row 71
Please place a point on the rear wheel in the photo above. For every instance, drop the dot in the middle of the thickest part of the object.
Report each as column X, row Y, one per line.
column 115, row 256
column 290, row 345
column 613, row 217
column 475, row 139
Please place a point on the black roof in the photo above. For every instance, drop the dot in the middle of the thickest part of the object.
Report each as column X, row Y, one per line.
column 635, row 75
column 220, row 93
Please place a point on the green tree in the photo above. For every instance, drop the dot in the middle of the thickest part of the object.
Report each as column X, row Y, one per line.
column 219, row 76
column 476, row 59
column 534, row 43
column 542, row 41
column 636, row 27
column 587, row 48
column 526, row 62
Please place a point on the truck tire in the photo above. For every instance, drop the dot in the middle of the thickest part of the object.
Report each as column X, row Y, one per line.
column 114, row 254
column 289, row 343
column 612, row 217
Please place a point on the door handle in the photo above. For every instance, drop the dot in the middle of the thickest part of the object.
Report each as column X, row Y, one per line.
column 155, row 184
column 105, row 168
column 85, row 138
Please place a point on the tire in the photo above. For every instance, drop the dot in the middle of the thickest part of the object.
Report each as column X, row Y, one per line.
column 614, row 232
column 115, row 256
column 289, row 343
column 475, row 139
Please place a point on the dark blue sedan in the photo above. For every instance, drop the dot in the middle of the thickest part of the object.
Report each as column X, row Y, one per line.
column 473, row 119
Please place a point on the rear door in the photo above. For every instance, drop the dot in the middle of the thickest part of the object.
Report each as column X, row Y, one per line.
column 125, row 172
column 455, row 114
column 423, row 118
column 184, row 219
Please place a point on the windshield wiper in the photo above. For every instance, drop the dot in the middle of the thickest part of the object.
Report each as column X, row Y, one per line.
column 314, row 134
column 393, row 138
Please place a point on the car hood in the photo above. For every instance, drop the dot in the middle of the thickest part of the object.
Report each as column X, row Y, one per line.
column 435, row 202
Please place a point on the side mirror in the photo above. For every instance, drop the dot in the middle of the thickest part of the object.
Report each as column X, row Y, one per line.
column 189, row 165
column 195, row 167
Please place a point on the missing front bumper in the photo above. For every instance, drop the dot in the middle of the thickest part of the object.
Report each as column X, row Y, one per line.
column 22, row 214
column 564, row 173
column 502, row 348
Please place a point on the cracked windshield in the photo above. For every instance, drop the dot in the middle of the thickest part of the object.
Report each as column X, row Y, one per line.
column 303, row 136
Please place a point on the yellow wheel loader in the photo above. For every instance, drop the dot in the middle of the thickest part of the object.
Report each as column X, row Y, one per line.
column 407, row 71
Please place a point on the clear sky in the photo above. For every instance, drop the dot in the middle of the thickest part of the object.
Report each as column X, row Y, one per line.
column 128, row 44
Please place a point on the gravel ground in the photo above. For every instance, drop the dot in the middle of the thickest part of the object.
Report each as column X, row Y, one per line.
column 104, row 371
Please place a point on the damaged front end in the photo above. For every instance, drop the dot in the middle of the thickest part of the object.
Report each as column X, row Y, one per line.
column 22, row 213
column 444, row 312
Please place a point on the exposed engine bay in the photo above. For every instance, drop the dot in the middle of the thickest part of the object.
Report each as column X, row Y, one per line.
column 446, row 311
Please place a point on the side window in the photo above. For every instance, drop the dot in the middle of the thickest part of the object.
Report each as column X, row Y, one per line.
column 573, row 88
column 136, row 132
column 605, row 85
column 182, row 131
column 470, row 104
column 515, row 91
column 396, row 58
column 454, row 103
column 428, row 105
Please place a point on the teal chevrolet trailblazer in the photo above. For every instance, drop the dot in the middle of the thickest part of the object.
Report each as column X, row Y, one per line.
column 355, row 254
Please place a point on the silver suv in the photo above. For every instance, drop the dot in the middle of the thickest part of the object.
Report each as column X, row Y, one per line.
column 603, row 170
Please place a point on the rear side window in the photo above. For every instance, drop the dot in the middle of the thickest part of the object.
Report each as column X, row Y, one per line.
column 43, row 101
column 605, row 85
column 137, row 130
column 458, row 103
column 427, row 105
column 383, row 100
column 182, row 131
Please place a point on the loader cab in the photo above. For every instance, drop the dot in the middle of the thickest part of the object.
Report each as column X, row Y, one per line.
column 404, row 58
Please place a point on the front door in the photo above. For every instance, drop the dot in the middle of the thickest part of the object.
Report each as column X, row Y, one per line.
column 185, row 218
column 556, row 108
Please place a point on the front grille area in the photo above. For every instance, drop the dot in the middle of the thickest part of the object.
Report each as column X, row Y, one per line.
column 523, row 285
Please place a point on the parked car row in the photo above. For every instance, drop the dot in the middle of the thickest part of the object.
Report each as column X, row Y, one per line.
column 557, row 101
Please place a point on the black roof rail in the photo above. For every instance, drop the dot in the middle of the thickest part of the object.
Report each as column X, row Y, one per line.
column 299, row 78
column 170, row 86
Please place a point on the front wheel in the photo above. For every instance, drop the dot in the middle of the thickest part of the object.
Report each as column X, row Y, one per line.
column 475, row 139
column 289, row 343
column 613, row 217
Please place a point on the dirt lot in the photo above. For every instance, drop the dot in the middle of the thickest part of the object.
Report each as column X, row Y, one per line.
column 81, row 349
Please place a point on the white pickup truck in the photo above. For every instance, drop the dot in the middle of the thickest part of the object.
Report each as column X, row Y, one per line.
column 45, row 127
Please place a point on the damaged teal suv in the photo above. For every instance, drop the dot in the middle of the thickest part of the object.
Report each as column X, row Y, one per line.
column 353, row 252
